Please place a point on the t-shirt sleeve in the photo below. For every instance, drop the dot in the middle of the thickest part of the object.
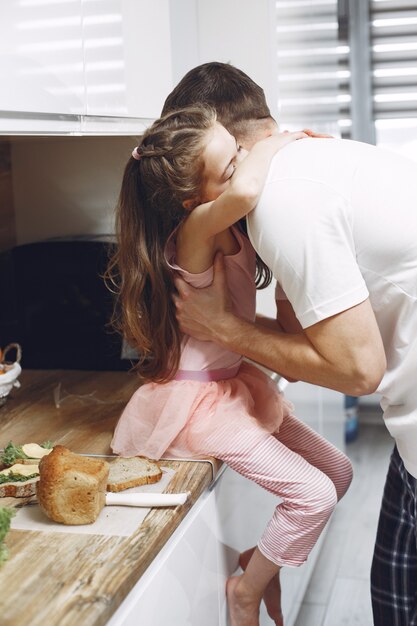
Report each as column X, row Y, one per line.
column 309, row 244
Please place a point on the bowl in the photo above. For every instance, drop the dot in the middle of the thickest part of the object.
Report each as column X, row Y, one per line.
column 8, row 380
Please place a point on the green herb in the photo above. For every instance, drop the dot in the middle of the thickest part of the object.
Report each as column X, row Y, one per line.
column 15, row 478
column 6, row 514
column 11, row 453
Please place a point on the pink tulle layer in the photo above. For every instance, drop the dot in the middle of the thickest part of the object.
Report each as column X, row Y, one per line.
column 177, row 419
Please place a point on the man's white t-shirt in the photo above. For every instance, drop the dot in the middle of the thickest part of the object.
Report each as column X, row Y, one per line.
column 336, row 223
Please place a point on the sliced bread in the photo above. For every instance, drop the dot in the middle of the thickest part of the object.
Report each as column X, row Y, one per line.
column 19, row 489
column 132, row 472
column 19, row 481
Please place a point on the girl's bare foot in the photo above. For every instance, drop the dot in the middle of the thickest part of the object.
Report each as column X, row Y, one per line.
column 243, row 609
column 272, row 595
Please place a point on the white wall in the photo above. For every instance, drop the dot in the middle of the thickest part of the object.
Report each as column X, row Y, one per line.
column 241, row 32
column 67, row 185
column 184, row 37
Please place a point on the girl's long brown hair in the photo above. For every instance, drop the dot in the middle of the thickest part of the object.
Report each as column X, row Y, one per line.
column 150, row 207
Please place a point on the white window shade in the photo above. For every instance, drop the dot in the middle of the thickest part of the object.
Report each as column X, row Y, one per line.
column 313, row 66
column 394, row 63
column 394, row 58
column 348, row 65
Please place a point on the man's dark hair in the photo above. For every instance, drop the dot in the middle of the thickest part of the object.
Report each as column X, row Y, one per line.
column 237, row 99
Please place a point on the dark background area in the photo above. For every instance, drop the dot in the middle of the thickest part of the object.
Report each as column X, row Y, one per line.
column 54, row 303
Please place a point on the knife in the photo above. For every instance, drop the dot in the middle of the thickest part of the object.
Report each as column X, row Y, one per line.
column 146, row 499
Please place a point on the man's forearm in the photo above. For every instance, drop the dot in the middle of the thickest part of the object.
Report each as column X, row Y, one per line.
column 344, row 352
column 293, row 356
column 269, row 322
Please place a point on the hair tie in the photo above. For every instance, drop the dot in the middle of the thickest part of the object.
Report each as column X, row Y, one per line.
column 136, row 155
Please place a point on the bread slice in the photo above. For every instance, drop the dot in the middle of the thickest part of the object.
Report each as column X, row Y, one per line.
column 19, row 489
column 132, row 472
column 72, row 488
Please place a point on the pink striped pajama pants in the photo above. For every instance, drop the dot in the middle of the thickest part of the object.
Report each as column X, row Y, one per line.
column 305, row 470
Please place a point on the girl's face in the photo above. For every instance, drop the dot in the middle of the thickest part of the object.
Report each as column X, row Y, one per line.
column 220, row 157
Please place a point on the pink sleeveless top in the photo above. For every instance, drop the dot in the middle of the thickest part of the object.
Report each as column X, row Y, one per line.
column 240, row 269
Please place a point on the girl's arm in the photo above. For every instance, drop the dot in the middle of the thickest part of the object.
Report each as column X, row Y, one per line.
column 244, row 190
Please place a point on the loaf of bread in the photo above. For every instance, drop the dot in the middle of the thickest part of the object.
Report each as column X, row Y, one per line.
column 71, row 488
column 132, row 472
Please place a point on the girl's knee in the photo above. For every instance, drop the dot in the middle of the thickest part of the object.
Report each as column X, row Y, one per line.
column 346, row 475
column 349, row 474
column 324, row 500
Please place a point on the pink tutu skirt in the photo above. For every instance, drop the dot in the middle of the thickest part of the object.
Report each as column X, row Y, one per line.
column 172, row 419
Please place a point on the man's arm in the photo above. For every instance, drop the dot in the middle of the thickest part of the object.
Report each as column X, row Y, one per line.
column 343, row 352
column 285, row 320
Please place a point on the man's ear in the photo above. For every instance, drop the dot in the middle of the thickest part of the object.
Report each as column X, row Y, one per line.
column 190, row 204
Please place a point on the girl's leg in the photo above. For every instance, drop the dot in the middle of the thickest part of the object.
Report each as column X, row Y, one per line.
column 309, row 497
column 272, row 594
column 319, row 452
column 244, row 593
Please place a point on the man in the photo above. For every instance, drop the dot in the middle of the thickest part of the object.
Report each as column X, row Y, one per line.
column 337, row 224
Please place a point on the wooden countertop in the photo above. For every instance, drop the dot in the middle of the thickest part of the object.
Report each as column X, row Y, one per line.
column 77, row 579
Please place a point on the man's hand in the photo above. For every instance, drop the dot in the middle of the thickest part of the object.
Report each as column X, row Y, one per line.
column 312, row 133
column 202, row 313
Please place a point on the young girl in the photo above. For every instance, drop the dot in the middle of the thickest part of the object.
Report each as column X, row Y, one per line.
column 184, row 191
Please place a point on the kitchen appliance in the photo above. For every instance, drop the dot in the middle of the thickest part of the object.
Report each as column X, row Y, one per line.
column 57, row 307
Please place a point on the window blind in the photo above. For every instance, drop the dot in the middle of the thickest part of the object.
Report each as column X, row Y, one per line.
column 313, row 66
column 324, row 75
column 394, row 59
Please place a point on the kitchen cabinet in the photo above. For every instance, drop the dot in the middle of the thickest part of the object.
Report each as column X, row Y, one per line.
column 185, row 584
column 83, row 66
column 104, row 67
column 41, row 53
column 127, row 57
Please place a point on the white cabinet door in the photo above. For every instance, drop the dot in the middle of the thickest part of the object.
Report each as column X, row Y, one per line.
column 41, row 69
column 184, row 586
column 127, row 53
column 66, row 64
